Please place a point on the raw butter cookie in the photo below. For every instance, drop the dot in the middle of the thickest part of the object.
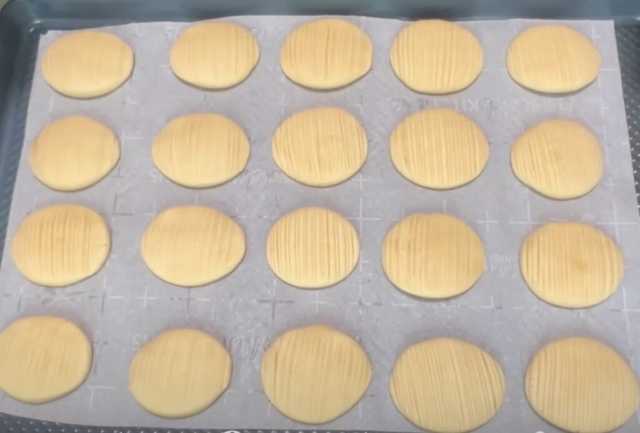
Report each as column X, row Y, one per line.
column 581, row 385
column 214, row 55
column 315, row 374
column 446, row 385
column 87, row 64
column 312, row 248
column 553, row 59
column 61, row 245
column 73, row 153
column 201, row 150
column 437, row 57
column 43, row 358
column 320, row 147
column 432, row 256
column 192, row 246
column 326, row 54
column 179, row 373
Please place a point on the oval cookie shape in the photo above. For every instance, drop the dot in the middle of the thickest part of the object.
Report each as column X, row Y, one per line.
column 581, row 385
column 320, row 147
column 560, row 159
column 214, row 55
column 201, row 150
column 432, row 256
column 312, row 248
column 446, row 385
column 87, row 64
column 437, row 57
column 179, row 373
column 315, row 374
column 553, row 59
column 60, row 245
column 439, row 149
column 73, row 153
column 326, row 54
column 43, row 358
column 192, row 246
column 571, row 264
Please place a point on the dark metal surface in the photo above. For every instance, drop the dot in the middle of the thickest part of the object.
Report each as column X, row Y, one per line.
column 22, row 21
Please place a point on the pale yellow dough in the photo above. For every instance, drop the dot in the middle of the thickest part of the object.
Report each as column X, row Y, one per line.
column 43, row 358
column 320, row 147
column 73, row 153
column 446, row 385
column 61, row 245
column 581, row 385
column 437, row 57
column 312, row 248
column 201, row 150
column 558, row 158
column 553, row 59
column 439, row 149
column 432, row 256
column 179, row 373
column 214, row 55
column 192, row 246
column 315, row 374
column 87, row 64
column 571, row 264
column 326, row 54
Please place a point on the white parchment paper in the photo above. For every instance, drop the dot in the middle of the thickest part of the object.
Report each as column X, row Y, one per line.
column 124, row 305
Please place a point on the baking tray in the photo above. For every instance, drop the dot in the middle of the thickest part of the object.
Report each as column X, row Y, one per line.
column 23, row 21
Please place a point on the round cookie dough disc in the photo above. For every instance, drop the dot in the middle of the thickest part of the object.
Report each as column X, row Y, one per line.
column 320, row 147
column 439, row 149
column 558, row 158
column 432, row 256
column 581, row 385
column 326, row 54
column 312, row 248
column 60, row 245
column 571, row 264
column 73, row 153
column 192, row 246
column 214, row 55
column 87, row 64
column 437, row 57
column 43, row 358
column 446, row 385
column 201, row 150
column 553, row 59
column 179, row 373
column 315, row 374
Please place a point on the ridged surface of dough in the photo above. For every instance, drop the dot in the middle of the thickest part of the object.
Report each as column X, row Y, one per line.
column 179, row 373
column 315, row 374
column 326, row 54
column 581, row 385
column 43, row 358
column 558, row 158
column 571, row 264
column 432, row 256
column 553, row 59
column 201, row 150
column 73, row 153
column 312, row 248
column 87, row 64
column 214, row 55
column 439, row 149
column 60, row 245
column 320, row 147
column 192, row 246
column 447, row 385
column 437, row 57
